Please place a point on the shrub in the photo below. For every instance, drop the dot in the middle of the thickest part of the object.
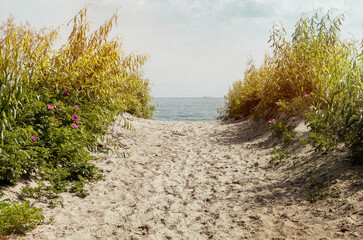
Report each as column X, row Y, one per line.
column 320, row 188
column 295, row 69
column 281, row 131
column 56, row 104
column 338, row 117
column 315, row 75
column 18, row 217
column 279, row 155
column 243, row 98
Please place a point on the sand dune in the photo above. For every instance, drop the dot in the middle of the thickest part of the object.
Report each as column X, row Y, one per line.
column 204, row 180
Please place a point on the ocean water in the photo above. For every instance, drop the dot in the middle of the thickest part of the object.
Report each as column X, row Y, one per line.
column 187, row 109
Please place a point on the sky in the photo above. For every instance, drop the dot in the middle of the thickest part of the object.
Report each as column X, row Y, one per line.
column 197, row 48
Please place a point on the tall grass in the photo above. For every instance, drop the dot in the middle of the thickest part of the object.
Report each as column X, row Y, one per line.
column 55, row 104
column 314, row 74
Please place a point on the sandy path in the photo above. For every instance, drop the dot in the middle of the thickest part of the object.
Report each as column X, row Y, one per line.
column 193, row 180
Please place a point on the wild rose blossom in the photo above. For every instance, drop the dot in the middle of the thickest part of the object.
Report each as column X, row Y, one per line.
column 74, row 125
column 278, row 103
column 33, row 138
column 272, row 120
column 75, row 118
column 75, row 106
column 295, row 101
column 306, row 95
column 138, row 104
column 50, row 107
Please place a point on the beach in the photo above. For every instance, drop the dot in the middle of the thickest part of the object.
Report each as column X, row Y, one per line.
column 205, row 180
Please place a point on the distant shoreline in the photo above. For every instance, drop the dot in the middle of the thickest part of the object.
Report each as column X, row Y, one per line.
column 187, row 109
column 188, row 97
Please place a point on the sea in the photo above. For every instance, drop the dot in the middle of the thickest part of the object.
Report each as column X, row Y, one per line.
column 187, row 109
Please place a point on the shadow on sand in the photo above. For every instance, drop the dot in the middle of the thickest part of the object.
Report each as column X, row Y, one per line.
column 306, row 176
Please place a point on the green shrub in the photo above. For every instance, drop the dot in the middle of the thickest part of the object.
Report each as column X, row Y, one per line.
column 314, row 75
column 281, row 131
column 279, row 155
column 320, row 188
column 295, row 69
column 243, row 98
column 338, row 117
column 50, row 136
column 18, row 217
column 56, row 104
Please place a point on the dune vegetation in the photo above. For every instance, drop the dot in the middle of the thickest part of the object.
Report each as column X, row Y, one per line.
column 314, row 75
column 55, row 106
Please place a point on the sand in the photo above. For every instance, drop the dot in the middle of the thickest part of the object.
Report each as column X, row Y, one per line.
column 207, row 180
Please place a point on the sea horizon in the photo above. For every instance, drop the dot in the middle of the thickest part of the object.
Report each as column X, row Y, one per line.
column 187, row 108
column 192, row 97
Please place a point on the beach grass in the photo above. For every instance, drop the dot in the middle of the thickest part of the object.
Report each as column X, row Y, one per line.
column 56, row 104
column 314, row 75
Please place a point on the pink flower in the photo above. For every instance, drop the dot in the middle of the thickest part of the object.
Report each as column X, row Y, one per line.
column 50, row 89
column 75, row 106
column 66, row 92
column 321, row 111
column 59, row 109
column 75, row 118
column 33, row 138
column 125, row 102
column 54, row 119
column 141, row 114
column 271, row 121
column 50, row 107
column 278, row 103
column 295, row 101
column 306, row 95
column 74, row 125
column 138, row 104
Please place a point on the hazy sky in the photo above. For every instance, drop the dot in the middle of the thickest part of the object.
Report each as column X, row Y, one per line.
column 197, row 47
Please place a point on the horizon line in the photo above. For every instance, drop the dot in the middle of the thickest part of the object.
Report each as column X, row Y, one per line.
column 206, row 97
